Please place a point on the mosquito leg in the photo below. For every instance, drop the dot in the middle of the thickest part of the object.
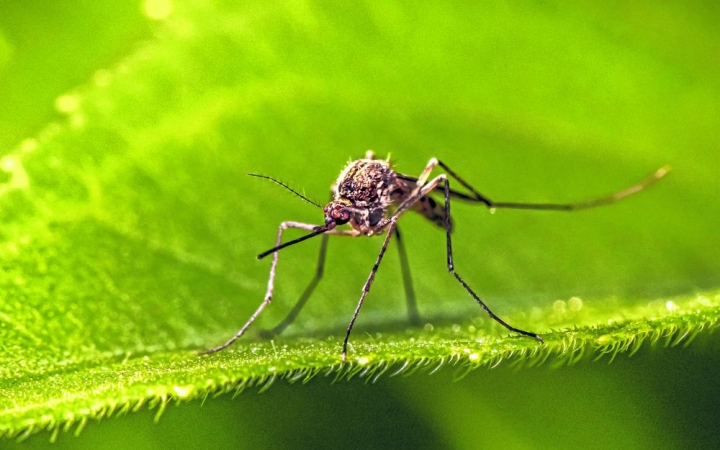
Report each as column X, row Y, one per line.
column 425, row 190
column 308, row 290
column 413, row 314
column 419, row 191
column 292, row 315
column 451, row 269
column 422, row 179
column 270, row 286
column 478, row 197
column 366, row 288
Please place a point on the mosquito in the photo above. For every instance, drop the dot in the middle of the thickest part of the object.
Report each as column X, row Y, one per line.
column 370, row 196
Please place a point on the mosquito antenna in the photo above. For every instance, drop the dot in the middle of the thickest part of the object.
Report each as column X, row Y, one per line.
column 318, row 230
column 278, row 182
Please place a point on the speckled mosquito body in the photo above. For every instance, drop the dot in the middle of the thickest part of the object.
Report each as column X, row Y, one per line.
column 370, row 197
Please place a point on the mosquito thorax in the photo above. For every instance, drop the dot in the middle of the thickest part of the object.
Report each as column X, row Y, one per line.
column 366, row 183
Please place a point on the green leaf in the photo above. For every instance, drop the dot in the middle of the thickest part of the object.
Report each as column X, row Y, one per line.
column 129, row 229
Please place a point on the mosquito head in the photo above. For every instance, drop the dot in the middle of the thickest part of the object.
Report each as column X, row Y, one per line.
column 337, row 213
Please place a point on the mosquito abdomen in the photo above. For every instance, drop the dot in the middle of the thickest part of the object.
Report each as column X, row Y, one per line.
column 433, row 210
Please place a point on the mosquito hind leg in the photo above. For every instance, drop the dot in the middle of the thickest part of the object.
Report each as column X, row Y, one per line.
column 424, row 188
column 476, row 196
column 451, row 269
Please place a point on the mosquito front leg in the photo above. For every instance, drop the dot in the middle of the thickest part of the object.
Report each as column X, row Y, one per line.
column 271, row 280
column 319, row 271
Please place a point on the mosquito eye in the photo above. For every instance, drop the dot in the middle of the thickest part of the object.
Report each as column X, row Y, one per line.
column 341, row 216
column 337, row 214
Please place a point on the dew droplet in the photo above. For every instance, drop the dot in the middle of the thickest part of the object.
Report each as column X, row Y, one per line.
column 28, row 145
column 183, row 391
column 8, row 163
column 12, row 164
column 604, row 339
column 67, row 103
column 157, row 9
column 575, row 304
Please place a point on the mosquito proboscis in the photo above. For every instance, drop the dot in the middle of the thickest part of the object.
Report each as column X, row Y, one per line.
column 370, row 196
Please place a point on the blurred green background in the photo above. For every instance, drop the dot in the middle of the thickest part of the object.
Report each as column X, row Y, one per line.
column 533, row 102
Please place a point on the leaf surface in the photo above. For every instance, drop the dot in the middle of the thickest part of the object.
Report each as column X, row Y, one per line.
column 129, row 229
